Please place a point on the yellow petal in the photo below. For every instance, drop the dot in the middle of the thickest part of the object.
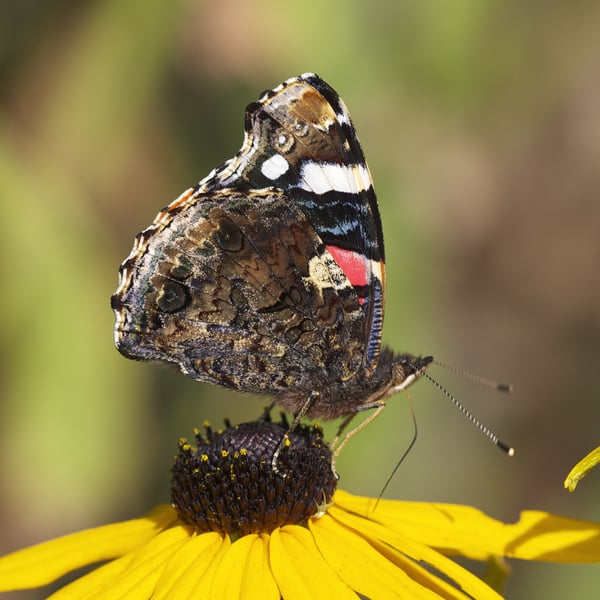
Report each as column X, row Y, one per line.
column 137, row 581
column 196, row 581
column 205, row 546
column 418, row 551
column 43, row 563
column 299, row 568
column 418, row 572
column 245, row 572
column 580, row 470
column 99, row 578
column 361, row 566
column 463, row 530
column 541, row 536
column 453, row 529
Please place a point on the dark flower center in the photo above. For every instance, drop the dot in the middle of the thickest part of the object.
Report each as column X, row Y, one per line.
column 228, row 484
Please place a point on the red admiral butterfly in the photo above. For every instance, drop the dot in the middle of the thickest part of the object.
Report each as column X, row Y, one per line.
column 268, row 275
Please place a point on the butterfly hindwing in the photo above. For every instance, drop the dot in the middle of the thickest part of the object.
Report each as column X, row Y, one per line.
column 238, row 290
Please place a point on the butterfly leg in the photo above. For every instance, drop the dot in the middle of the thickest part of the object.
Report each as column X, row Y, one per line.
column 341, row 429
column 285, row 440
column 336, row 445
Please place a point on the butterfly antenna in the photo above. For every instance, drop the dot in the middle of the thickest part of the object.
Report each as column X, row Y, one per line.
column 404, row 455
column 487, row 432
column 500, row 387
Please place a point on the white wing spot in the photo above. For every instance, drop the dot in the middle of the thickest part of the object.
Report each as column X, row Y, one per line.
column 274, row 167
column 326, row 177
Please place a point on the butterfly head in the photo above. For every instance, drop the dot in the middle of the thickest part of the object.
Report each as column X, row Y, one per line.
column 406, row 369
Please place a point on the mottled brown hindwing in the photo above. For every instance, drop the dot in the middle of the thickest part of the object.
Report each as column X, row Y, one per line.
column 239, row 290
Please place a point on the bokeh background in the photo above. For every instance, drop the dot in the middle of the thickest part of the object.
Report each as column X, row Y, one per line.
column 481, row 124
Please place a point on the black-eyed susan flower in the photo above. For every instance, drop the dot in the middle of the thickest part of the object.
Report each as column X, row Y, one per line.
column 237, row 528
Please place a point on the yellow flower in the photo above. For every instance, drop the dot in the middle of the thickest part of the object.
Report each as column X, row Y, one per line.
column 347, row 546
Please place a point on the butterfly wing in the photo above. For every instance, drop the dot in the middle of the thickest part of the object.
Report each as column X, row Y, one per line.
column 268, row 274
column 237, row 289
column 300, row 139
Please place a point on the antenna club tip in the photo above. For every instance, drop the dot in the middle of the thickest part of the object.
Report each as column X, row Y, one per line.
column 509, row 450
column 505, row 387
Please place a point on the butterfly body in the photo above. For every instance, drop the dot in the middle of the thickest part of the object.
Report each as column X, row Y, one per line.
column 268, row 276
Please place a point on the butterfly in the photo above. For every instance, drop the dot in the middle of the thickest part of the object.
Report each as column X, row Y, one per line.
column 268, row 276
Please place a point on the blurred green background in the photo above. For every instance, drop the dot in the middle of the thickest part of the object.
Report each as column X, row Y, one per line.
column 481, row 125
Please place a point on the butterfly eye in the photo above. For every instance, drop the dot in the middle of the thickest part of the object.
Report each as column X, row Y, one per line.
column 398, row 374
